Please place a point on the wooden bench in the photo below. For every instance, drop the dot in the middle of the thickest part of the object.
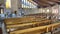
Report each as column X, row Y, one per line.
column 52, row 27
column 28, row 25
column 46, row 22
column 21, row 20
column 40, row 29
column 30, row 30
column 25, row 22
column 55, row 26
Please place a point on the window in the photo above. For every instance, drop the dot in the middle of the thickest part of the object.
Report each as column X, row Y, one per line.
column 1, row 10
column 27, row 4
column 8, row 3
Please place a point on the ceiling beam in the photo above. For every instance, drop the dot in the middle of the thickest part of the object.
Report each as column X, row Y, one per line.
column 47, row 2
column 41, row 3
column 32, row 2
column 54, row 0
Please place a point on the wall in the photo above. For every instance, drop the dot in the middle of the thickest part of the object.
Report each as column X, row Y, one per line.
column 31, row 11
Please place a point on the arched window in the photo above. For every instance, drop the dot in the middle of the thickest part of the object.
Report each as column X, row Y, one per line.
column 1, row 10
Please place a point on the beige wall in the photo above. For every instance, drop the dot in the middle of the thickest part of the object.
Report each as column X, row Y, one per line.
column 32, row 11
column 36, row 10
column 14, row 5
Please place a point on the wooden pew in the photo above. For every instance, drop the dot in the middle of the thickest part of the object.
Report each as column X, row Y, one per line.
column 40, row 29
column 17, row 20
column 21, row 20
column 46, row 22
column 30, row 30
column 53, row 26
column 28, row 25
column 25, row 22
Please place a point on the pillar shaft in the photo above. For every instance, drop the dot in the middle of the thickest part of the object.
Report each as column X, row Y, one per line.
column 58, row 11
column 14, row 5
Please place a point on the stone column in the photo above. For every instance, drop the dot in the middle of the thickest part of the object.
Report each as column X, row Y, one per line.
column 14, row 5
column 58, row 11
column 19, row 4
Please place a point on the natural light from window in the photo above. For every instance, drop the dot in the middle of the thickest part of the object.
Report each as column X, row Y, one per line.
column 8, row 3
column 27, row 4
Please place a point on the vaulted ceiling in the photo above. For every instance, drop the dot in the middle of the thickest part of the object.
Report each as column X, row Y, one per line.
column 46, row 3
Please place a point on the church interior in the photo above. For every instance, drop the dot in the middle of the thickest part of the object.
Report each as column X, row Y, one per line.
column 29, row 16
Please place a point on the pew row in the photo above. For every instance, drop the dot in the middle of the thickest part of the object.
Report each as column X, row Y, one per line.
column 21, row 23
column 46, row 22
column 36, row 29
column 28, row 25
column 41, row 29
column 22, row 20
